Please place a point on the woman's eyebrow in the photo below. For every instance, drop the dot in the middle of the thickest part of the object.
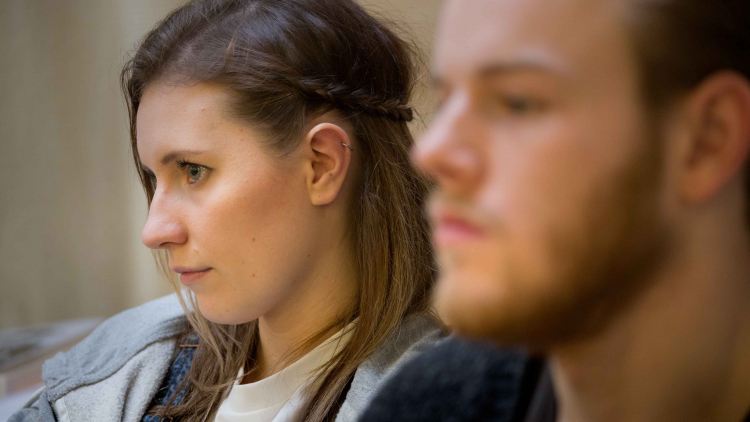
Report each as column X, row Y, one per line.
column 172, row 156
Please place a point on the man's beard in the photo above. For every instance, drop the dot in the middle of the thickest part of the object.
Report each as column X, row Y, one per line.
column 599, row 267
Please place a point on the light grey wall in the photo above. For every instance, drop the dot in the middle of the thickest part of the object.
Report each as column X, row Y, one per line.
column 71, row 208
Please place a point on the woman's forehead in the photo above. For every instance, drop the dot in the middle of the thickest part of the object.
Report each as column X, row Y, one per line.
column 185, row 118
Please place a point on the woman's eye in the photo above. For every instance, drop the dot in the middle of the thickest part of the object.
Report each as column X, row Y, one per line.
column 195, row 172
column 152, row 178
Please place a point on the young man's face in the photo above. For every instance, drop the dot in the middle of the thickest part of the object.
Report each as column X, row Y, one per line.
column 548, row 171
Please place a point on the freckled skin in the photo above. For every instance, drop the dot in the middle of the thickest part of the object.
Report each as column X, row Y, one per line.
column 247, row 195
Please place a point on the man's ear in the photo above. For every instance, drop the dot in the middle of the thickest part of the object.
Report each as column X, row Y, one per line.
column 719, row 116
column 328, row 152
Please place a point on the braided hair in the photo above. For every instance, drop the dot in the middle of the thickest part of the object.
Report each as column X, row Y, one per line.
column 285, row 63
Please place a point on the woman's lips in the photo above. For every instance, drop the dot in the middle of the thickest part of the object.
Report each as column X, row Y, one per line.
column 190, row 276
column 450, row 229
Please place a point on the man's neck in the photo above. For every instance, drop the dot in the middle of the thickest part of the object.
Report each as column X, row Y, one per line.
column 680, row 352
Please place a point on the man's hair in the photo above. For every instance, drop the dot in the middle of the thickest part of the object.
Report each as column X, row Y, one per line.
column 679, row 43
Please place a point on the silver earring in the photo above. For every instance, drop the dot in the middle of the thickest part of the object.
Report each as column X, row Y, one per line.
column 350, row 148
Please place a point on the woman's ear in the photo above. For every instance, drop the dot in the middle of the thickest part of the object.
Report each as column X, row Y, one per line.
column 328, row 155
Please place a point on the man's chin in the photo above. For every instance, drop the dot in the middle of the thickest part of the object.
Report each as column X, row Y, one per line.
column 470, row 312
column 500, row 317
column 502, row 333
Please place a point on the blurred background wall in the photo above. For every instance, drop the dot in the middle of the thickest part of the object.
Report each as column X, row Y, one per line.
column 71, row 207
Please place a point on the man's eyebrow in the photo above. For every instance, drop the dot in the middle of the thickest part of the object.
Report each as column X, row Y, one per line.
column 493, row 69
column 172, row 156
column 527, row 60
column 498, row 68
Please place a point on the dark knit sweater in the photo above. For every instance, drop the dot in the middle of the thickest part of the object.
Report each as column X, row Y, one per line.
column 462, row 381
column 456, row 381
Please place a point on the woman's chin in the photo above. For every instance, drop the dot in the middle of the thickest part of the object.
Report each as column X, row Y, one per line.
column 219, row 312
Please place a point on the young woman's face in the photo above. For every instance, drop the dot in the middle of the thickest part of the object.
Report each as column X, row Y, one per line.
column 235, row 220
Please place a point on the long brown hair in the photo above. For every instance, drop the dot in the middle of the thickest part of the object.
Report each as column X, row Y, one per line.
column 285, row 62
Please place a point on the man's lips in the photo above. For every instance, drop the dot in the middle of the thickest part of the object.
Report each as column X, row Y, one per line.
column 453, row 228
column 190, row 275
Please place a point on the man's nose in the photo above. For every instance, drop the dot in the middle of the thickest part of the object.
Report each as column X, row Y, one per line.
column 447, row 152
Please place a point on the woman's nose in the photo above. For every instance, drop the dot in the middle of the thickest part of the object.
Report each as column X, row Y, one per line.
column 163, row 228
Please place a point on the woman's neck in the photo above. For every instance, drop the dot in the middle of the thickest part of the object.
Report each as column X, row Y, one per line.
column 311, row 311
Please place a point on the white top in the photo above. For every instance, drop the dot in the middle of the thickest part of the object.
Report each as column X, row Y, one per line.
column 279, row 397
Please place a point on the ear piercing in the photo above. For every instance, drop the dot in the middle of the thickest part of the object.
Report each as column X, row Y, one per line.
column 350, row 148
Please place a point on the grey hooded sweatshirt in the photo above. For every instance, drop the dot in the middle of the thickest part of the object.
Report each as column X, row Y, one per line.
column 114, row 373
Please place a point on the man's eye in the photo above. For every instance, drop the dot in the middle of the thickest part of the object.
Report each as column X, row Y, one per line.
column 519, row 105
column 516, row 106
